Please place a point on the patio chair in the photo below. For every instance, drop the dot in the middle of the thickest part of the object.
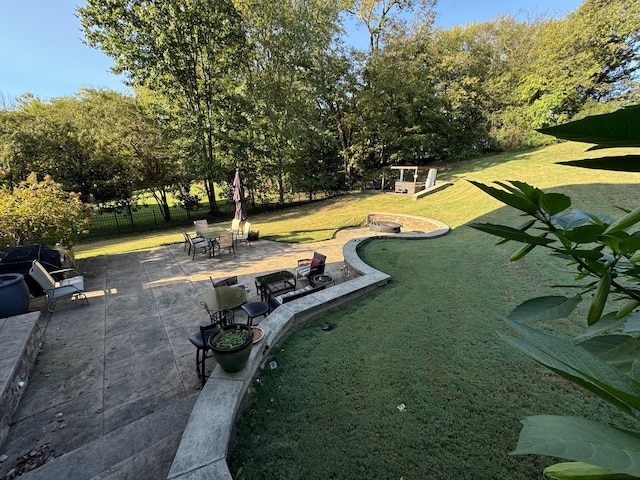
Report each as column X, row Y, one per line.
column 72, row 287
column 189, row 241
column 235, row 226
column 200, row 340
column 226, row 282
column 197, row 243
column 309, row 267
column 258, row 308
column 225, row 240
column 200, row 224
column 244, row 236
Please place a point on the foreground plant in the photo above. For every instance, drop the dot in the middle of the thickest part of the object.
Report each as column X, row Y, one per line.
column 605, row 357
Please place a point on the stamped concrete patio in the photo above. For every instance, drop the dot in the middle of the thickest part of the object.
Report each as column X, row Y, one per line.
column 115, row 382
column 114, row 393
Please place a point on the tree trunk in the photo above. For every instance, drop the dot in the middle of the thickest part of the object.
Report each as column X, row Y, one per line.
column 211, row 195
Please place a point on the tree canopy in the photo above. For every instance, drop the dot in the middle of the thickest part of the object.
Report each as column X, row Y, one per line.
column 271, row 89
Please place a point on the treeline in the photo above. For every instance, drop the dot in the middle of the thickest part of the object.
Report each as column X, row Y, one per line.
column 271, row 89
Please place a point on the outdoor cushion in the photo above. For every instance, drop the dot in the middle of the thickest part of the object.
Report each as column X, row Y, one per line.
column 280, row 299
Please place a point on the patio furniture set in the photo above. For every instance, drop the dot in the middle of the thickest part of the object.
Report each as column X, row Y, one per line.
column 209, row 239
column 228, row 296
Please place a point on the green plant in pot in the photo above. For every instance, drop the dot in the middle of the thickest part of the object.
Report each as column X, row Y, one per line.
column 231, row 347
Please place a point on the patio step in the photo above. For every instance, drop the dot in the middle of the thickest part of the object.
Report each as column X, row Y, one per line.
column 142, row 449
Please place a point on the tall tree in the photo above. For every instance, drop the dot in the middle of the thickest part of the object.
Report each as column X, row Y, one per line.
column 191, row 51
column 288, row 41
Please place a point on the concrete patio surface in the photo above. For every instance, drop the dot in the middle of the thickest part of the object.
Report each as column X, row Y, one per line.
column 115, row 382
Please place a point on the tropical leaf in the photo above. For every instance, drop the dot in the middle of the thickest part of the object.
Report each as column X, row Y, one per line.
column 573, row 219
column 554, row 203
column 606, row 322
column 590, row 254
column 617, row 129
column 510, row 233
column 582, row 471
column 624, row 222
column 578, row 365
column 628, row 163
column 629, row 245
column 599, row 299
column 585, row 233
column 515, row 200
column 581, row 440
column 544, row 308
column 619, row 351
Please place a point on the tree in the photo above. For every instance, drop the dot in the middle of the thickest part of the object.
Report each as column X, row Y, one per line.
column 288, row 41
column 604, row 359
column 192, row 52
column 592, row 54
column 40, row 211
column 384, row 18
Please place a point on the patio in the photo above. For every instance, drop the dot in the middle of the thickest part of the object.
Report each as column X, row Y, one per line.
column 115, row 382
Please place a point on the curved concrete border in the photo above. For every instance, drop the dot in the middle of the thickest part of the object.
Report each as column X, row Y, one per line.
column 202, row 453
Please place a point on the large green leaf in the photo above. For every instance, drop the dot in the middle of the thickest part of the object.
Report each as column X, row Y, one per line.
column 554, row 203
column 606, row 322
column 617, row 129
column 583, row 471
column 510, row 233
column 573, row 219
column 629, row 245
column 619, row 351
column 546, row 308
column 624, row 222
column 578, row 365
column 515, row 200
column 581, row 440
column 627, row 163
column 585, row 233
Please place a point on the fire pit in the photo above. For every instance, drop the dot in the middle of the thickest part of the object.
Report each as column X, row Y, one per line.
column 385, row 227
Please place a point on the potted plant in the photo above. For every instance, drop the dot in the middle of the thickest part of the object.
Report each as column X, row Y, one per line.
column 231, row 347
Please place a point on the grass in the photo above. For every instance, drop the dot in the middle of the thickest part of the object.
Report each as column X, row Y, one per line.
column 427, row 340
column 455, row 205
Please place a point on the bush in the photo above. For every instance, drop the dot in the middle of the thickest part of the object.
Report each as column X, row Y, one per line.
column 40, row 212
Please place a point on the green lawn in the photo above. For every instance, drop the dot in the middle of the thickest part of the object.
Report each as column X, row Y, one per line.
column 427, row 340
column 455, row 205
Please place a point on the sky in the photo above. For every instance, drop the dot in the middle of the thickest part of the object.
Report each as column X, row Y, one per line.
column 42, row 50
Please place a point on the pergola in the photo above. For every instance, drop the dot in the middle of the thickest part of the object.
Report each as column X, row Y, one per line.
column 401, row 185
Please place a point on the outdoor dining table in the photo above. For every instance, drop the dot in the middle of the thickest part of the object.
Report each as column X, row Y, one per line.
column 216, row 300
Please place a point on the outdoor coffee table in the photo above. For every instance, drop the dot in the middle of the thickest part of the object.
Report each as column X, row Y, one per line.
column 277, row 281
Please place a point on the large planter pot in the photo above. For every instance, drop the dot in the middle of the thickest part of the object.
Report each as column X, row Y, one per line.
column 235, row 358
column 14, row 295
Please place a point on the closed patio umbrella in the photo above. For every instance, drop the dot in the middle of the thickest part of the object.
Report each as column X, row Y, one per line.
column 238, row 197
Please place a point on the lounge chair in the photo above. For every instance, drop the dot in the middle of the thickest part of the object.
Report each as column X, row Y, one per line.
column 55, row 290
column 310, row 267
